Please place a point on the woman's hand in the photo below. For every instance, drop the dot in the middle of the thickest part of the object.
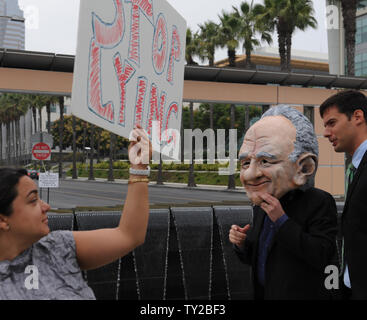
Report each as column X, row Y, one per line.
column 140, row 148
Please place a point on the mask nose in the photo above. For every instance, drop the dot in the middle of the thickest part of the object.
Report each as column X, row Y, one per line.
column 252, row 172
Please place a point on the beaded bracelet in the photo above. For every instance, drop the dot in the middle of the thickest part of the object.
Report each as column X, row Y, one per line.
column 138, row 180
column 140, row 172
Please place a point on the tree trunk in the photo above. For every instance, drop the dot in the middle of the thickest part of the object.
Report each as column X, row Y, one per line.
column 34, row 112
column 110, row 169
column 289, row 51
column 191, row 182
column 211, row 58
column 1, row 144
column 91, row 156
column 40, row 118
column 61, row 129
column 8, row 148
column 48, row 109
column 248, row 63
column 75, row 174
column 232, row 58
column 84, row 140
column 211, row 62
column 160, row 174
column 247, row 118
column 282, row 48
column 182, row 140
column 211, row 116
column 231, row 177
column 349, row 9
column 264, row 108
column 98, row 144
column 190, row 61
column 18, row 140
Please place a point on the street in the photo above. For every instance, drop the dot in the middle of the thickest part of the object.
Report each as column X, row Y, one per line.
column 76, row 193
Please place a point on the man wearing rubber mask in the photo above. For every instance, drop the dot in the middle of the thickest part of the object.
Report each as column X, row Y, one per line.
column 292, row 237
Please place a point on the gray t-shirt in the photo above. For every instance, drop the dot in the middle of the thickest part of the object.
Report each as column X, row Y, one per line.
column 52, row 261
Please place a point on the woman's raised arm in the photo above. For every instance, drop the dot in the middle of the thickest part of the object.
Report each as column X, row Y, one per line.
column 96, row 248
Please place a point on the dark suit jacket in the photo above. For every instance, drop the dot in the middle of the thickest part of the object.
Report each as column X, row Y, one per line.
column 354, row 230
column 301, row 249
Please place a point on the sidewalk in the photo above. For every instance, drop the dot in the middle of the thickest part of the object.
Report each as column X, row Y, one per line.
column 154, row 184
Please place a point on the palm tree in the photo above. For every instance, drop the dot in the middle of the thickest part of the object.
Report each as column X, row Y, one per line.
column 229, row 35
column 231, row 177
column 249, row 29
column 91, row 157
column 285, row 16
column 12, row 108
column 300, row 16
column 75, row 175
column 110, row 170
column 208, row 38
column 61, row 128
column 50, row 100
column 191, row 182
column 192, row 47
column 349, row 9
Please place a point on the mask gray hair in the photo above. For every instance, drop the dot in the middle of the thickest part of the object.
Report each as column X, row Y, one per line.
column 306, row 140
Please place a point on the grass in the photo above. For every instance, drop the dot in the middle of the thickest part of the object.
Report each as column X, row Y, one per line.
column 209, row 177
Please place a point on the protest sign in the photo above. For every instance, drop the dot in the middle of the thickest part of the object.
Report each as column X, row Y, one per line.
column 129, row 68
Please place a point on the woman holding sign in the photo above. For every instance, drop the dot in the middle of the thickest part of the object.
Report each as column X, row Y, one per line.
column 27, row 246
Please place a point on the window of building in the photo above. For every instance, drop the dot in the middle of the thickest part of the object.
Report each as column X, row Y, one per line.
column 361, row 32
column 309, row 112
column 362, row 4
column 361, row 64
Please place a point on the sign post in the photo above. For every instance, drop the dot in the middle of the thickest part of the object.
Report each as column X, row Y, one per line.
column 129, row 68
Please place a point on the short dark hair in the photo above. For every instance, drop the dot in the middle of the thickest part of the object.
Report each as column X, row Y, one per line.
column 347, row 102
column 9, row 179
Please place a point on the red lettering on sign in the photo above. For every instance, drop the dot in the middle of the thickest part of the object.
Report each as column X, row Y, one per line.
column 156, row 111
column 172, row 108
column 109, row 35
column 142, row 89
column 124, row 74
column 175, row 53
column 160, row 45
column 94, row 85
column 147, row 8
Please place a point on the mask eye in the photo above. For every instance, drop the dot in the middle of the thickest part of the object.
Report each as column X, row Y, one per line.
column 265, row 163
column 245, row 164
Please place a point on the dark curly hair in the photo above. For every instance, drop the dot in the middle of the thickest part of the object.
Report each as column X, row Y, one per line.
column 346, row 102
column 9, row 179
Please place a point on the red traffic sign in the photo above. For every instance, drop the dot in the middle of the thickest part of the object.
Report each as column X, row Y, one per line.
column 41, row 151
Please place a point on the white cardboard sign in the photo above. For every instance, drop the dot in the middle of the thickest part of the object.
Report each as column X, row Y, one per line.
column 48, row 180
column 129, row 67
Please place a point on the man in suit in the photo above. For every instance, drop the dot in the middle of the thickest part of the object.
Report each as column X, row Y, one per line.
column 292, row 237
column 345, row 120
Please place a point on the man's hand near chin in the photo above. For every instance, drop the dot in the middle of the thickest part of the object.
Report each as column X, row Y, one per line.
column 271, row 206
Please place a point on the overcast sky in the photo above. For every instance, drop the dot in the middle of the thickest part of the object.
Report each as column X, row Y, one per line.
column 53, row 24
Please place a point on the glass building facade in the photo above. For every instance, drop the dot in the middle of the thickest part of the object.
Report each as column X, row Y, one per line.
column 361, row 42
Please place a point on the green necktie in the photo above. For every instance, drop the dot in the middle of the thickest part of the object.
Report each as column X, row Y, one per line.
column 350, row 175
column 351, row 170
